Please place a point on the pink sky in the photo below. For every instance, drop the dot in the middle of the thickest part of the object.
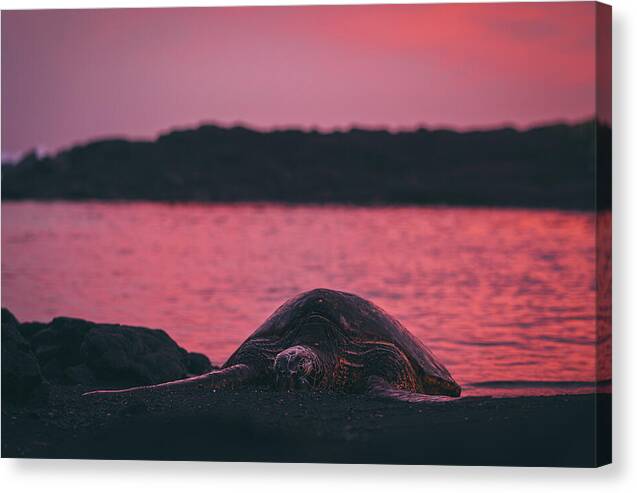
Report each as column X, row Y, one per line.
column 74, row 75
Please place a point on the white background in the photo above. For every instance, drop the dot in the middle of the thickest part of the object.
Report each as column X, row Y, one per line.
column 26, row 476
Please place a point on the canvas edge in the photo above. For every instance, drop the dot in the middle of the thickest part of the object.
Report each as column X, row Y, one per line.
column 603, row 225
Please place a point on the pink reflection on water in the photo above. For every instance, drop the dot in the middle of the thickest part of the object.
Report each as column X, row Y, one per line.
column 499, row 295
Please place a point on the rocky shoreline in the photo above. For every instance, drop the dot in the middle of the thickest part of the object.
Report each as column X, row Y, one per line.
column 71, row 351
column 47, row 367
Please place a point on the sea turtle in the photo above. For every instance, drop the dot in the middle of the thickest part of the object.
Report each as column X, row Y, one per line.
column 330, row 340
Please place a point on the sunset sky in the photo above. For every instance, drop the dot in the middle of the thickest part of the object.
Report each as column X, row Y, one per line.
column 71, row 76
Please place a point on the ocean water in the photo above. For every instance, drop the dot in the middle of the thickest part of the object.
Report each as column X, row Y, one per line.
column 506, row 299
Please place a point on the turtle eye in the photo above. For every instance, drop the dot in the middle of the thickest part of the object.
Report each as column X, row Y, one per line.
column 307, row 366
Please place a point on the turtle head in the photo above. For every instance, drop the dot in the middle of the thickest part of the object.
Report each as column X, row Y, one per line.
column 296, row 368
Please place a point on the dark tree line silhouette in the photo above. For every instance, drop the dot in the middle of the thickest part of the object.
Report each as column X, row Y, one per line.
column 561, row 166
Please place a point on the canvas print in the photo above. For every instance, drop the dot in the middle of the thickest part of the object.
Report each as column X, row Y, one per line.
column 350, row 234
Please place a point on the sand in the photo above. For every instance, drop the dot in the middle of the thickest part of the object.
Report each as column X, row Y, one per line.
column 260, row 425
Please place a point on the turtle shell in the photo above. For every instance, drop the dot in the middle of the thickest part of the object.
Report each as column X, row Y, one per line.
column 358, row 319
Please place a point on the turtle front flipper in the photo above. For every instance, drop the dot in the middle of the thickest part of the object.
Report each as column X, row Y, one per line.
column 379, row 387
column 230, row 377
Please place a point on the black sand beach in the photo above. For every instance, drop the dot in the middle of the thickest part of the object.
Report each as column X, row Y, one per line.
column 257, row 425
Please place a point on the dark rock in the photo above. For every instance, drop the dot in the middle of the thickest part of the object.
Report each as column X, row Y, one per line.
column 198, row 363
column 57, row 347
column 21, row 374
column 40, row 395
column 31, row 329
column 133, row 355
column 78, row 352
column 52, row 370
column 79, row 374
column 9, row 318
